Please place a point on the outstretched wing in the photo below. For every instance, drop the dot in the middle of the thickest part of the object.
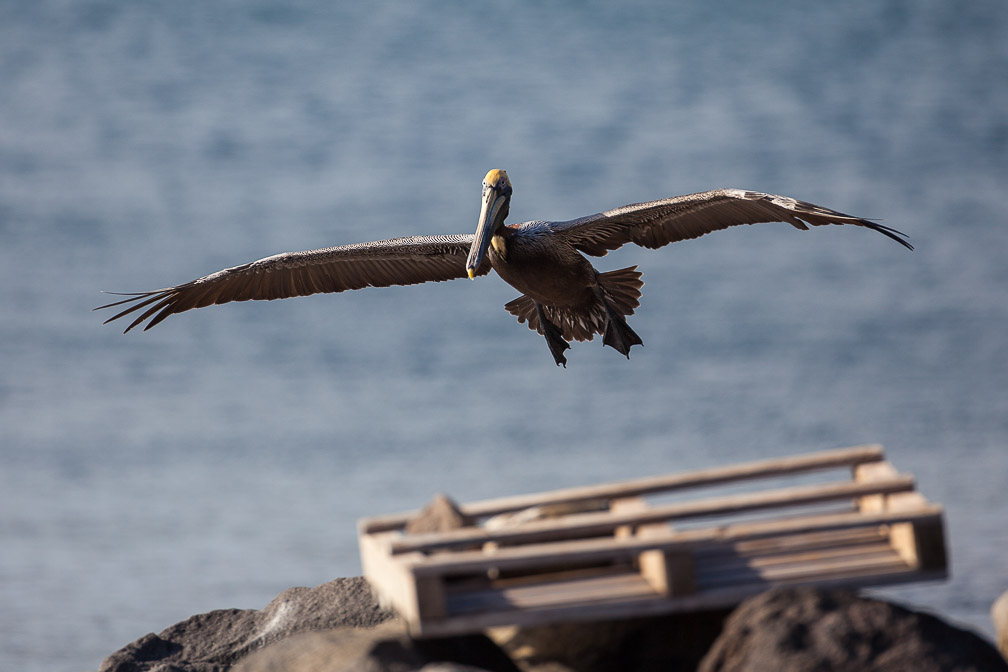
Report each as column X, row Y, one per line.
column 400, row 261
column 659, row 223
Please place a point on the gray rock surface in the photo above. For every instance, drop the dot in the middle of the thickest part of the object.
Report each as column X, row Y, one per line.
column 794, row 630
column 339, row 626
column 212, row 642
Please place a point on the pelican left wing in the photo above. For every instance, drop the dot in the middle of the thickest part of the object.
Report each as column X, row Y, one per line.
column 399, row 261
column 658, row 223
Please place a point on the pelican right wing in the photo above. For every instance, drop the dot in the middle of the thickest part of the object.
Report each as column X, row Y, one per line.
column 399, row 261
column 658, row 223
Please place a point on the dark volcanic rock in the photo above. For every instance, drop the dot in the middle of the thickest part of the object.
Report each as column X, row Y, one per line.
column 212, row 642
column 803, row 629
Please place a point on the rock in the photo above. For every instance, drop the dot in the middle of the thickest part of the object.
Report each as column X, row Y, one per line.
column 385, row 647
column 339, row 626
column 671, row 642
column 999, row 615
column 212, row 642
column 811, row 629
column 440, row 515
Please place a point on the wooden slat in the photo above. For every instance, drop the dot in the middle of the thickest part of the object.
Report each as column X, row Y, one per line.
column 830, row 539
column 845, row 457
column 602, row 588
column 883, row 561
column 616, row 597
column 824, row 565
column 584, row 550
column 606, row 523
column 713, row 564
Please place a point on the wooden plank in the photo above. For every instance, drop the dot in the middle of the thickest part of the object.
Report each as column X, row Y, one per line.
column 823, row 566
column 839, row 568
column 597, row 524
column 612, row 590
column 553, row 576
column 608, row 549
column 627, row 586
column 712, row 564
column 881, row 571
column 830, row 539
column 607, row 588
column 769, row 547
column 782, row 466
column 529, row 609
column 391, row 577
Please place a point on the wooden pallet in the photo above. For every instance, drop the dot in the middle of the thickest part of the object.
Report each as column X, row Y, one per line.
column 610, row 551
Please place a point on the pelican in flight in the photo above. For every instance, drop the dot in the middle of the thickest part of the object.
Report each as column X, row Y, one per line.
column 563, row 297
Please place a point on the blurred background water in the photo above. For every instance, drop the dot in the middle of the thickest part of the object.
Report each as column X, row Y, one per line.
column 226, row 455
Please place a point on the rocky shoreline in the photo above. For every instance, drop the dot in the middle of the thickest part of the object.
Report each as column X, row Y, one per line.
column 339, row 626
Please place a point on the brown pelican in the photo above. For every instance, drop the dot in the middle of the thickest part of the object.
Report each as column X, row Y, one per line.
column 563, row 297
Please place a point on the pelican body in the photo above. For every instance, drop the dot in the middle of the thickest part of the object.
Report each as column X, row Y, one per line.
column 563, row 297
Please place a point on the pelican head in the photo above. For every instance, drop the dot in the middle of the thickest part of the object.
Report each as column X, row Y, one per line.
column 496, row 202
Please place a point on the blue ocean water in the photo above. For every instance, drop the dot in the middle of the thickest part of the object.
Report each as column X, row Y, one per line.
column 226, row 455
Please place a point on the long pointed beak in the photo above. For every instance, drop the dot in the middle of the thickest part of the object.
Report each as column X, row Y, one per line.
column 491, row 217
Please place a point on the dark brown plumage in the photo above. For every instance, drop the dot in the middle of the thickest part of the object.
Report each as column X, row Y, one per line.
column 400, row 261
column 563, row 296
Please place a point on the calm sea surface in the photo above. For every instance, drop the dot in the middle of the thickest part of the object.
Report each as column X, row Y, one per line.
column 226, row 455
